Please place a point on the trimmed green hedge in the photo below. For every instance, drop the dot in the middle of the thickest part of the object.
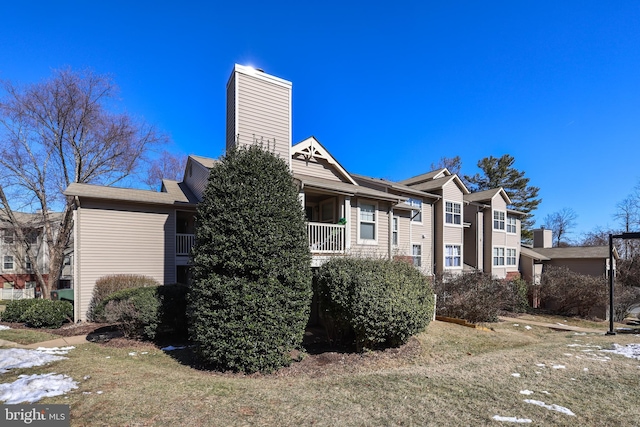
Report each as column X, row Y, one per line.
column 108, row 285
column 38, row 313
column 383, row 303
column 148, row 311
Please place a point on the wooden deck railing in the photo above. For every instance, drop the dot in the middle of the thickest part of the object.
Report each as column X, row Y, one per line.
column 184, row 243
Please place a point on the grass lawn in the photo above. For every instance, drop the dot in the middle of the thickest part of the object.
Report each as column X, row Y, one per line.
column 450, row 376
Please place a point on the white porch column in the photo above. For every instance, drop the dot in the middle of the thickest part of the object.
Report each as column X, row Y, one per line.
column 347, row 216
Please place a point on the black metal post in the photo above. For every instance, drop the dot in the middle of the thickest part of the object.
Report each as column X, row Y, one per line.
column 611, row 274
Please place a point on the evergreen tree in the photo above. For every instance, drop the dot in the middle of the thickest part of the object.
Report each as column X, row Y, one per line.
column 251, row 292
column 499, row 172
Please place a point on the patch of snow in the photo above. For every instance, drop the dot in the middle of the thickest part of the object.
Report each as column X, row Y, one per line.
column 515, row 374
column 552, row 407
column 568, row 354
column 573, row 379
column 540, row 365
column 133, row 353
column 579, row 333
column 629, row 350
column 31, row 388
column 145, row 352
column 526, row 392
column 545, row 392
column 99, row 392
column 171, row 348
column 559, row 367
column 527, row 327
column 586, row 369
column 4, row 328
column 14, row 358
column 538, row 372
column 512, row 419
column 86, row 377
column 516, row 324
column 55, row 350
column 108, row 357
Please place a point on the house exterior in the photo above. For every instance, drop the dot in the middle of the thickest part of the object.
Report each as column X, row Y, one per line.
column 128, row 231
column 17, row 270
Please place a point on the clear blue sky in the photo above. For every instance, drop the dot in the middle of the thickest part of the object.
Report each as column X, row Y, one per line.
column 388, row 87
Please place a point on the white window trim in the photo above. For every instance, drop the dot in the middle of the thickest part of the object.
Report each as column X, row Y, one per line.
column 504, row 221
column 415, row 256
column 504, row 256
column 444, row 257
column 376, row 221
column 515, row 257
column 411, row 202
column 452, row 224
column 515, row 224
column 13, row 263
column 396, row 219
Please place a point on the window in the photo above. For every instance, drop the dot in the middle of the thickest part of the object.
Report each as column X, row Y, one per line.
column 511, row 224
column 498, row 220
column 7, row 262
column 67, row 260
column 453, row 213
column 452, row 256
column 416, row 254
column 367, row 221
column 511, row 256
column 394, row 231
column 28, row 266
column 498, row 256
column 32, row 236
column 8, row 236
column 416, row 215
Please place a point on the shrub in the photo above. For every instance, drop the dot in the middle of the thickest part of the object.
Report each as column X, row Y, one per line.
column 107, row 285
column 624, row 298
column 148, row 311
column 382, row 302
column 15, row 309
column 47, row 313
column 479, row 297
column 251, row 293
column 567, row 293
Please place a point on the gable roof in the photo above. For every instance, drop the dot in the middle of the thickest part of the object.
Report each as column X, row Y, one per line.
column 177, row 193
column 207, row 162
column 438, row 183
column 346, row 189
column 575, row 252
column 438, row 173
column 311, row 148
column 528, row 252
column 363, row 180
column 486, row 195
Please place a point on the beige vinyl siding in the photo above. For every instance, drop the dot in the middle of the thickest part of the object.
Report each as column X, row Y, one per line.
column 381, row 249
column 263, row 113
column 404, row 232
column 424, row 229
column 472, row 236
column 452, row 192
column 123, row 240
column 196, row 178
column 315, row 169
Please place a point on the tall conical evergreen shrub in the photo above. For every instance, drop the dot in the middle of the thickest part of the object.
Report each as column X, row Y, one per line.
column 251, row 292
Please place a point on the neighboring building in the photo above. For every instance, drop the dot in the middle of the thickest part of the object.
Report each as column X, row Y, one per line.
column 17, row 270
column 126, row 231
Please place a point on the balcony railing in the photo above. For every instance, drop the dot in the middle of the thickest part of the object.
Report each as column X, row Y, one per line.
column 184, row 243
column 326, row 238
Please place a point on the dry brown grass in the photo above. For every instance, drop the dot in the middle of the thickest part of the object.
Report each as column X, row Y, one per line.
column 449, row 376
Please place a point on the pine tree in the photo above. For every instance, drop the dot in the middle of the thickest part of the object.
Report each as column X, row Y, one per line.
column 251, row 292
column 499, row 172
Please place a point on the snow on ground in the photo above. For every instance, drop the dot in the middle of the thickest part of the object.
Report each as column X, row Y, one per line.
column 552, row 407
column 629, row 350
column 31, row 388
column 14, row 358
column 512, row 419
column 3, row 327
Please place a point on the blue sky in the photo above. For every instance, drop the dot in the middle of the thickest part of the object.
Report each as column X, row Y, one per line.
column 387, row 87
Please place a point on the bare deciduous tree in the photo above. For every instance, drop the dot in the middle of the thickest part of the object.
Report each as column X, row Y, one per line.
column 166, row 166
column 453, row 165
column 54, row 133
column 561, row 223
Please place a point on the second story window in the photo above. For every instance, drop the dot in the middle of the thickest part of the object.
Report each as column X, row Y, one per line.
column 453, row 213
column 7, row 263
column 394, row 231
column 367, row 221
column 511, row 224
column 8, row 236
column 498, row 220
column 416, row 214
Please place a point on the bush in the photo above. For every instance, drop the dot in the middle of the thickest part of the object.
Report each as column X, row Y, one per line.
column 382, row 302
column 107, row 285
column 47, row 314
column 479, row 297
column 567, row 293
column 251, row 293
column 147, row 312
column 15, row 309
column 624, row 298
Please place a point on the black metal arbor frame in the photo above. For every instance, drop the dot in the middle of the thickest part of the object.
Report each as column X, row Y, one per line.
column 612, row 272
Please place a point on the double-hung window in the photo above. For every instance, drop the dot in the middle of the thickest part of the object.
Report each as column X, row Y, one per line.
column 416, row 254
column 453, row 213
column 394, row 231
column 452, row 256
column 367, row 221
column 511, row 224
column 8, row 236
column 511, row 256
column 416, row 213
column 7, row 263
column 498, row 256
column 498, row 220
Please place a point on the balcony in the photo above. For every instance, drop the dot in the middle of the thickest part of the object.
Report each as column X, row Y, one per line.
column 326, row 238
column 184, row 243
